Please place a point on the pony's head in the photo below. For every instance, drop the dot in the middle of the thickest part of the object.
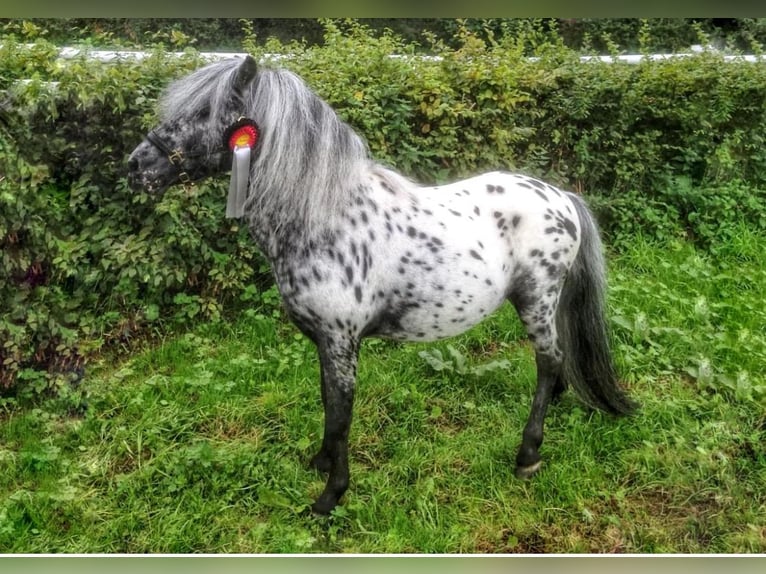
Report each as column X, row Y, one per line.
column 197, row 113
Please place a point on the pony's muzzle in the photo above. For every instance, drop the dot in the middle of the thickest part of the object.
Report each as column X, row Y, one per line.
column 135, row 179
column 145, row 172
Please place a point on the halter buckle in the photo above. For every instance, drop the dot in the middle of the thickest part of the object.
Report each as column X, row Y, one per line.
column 176, row 158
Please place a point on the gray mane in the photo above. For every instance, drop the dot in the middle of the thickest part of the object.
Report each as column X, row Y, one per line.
column 308, row 160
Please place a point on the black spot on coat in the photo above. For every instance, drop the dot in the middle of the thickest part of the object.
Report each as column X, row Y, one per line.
column 571, row 228
column 475, row 255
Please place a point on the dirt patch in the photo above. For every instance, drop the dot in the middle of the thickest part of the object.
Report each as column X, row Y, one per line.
column 506, row 541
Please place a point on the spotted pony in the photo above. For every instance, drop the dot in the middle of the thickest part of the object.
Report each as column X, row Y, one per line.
column 359, row 251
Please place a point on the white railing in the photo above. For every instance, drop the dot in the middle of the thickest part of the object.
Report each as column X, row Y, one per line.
column 114, row 56
column 108, row 56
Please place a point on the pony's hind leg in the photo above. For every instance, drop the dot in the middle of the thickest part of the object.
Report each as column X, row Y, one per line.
column 537, row 309
column 528, row 458
column 338, row 360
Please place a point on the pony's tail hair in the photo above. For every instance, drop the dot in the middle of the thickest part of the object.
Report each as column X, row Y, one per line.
column 582, row 324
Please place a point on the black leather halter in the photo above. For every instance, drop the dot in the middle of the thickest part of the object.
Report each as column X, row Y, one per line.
column 176, row 157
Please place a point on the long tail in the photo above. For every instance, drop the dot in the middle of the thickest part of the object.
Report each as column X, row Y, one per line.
column 582, row 324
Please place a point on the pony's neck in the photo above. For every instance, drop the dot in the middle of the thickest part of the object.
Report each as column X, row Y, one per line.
column 282, row 230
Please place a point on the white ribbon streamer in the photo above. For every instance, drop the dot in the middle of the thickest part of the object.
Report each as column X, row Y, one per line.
column 240, row 175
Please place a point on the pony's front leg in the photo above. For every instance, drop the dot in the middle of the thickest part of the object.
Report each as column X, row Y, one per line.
column 338, row 359
column 321, row 460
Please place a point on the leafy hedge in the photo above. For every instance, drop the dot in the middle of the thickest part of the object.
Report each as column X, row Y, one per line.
column 667, row 34
column 664, row 148
column 86, row 262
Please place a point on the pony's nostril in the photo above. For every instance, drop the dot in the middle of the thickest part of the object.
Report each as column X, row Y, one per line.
column 132, row 164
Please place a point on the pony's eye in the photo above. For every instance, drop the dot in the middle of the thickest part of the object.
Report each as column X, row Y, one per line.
column 203, row 113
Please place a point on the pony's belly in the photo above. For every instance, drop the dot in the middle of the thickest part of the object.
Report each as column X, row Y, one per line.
column 440, row 319
column 426, row 331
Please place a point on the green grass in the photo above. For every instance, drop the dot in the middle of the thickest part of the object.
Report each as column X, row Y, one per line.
column 201, row 443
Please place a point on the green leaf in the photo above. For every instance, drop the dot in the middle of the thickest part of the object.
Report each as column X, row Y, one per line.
column 269, row 497
column 152, row 312
column 435, row 360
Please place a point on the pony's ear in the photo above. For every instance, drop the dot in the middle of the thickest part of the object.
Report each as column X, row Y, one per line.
column 245, row 73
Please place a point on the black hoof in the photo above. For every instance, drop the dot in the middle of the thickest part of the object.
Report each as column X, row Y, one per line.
column 324, row 505
column 526, row 472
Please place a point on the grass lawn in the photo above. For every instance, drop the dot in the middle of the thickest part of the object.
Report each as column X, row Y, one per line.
column 201, row 443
